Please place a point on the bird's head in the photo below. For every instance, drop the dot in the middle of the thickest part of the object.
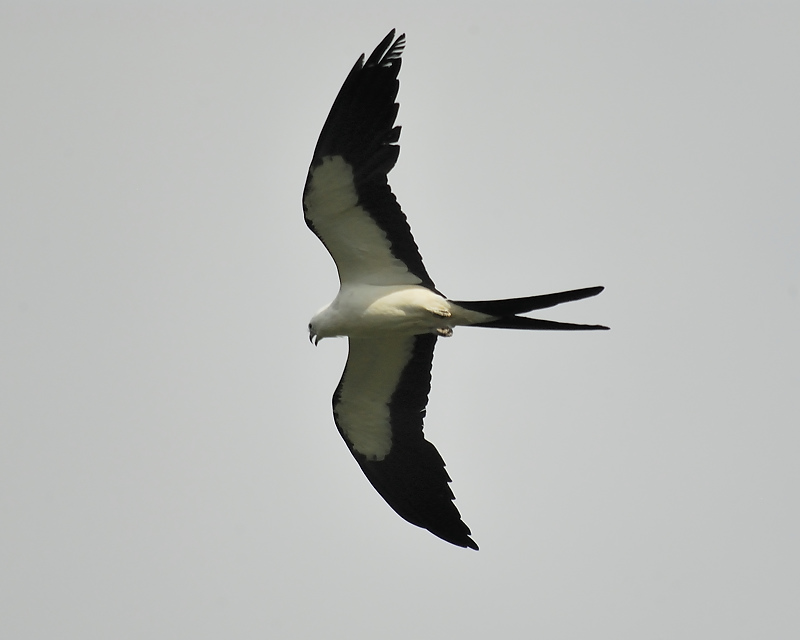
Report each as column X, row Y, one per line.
column 313, row 336
column 319, row 326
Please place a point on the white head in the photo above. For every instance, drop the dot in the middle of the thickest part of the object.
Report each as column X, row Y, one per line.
column 320, row 325
column 313, row 336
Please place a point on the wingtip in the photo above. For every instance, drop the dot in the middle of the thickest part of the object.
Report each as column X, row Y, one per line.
column 464, row 541
column 389, row 49
column 461, row 539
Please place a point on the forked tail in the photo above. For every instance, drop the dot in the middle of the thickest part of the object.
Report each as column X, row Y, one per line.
column 505, row 311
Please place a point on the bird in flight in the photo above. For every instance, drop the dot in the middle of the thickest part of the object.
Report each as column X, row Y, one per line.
column 387, row 306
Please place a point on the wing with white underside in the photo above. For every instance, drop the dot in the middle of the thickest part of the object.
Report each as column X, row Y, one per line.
column 379, row 407
column 347, row 200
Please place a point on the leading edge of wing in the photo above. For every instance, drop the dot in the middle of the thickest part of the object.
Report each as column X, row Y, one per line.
column 347, row 189
column 379, row 408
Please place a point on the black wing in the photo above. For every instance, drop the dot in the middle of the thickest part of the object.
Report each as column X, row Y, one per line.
column 347, row 200
column 379, row 407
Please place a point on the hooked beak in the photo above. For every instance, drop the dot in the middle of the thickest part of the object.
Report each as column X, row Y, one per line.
column 313, row 339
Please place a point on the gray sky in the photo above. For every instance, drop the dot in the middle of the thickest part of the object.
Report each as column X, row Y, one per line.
column 169, row 467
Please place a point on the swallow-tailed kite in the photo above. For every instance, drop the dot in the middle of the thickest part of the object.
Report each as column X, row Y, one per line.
column 387, row 305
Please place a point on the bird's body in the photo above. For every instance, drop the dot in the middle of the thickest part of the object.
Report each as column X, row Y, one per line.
column 369, row 310
column 387, row 305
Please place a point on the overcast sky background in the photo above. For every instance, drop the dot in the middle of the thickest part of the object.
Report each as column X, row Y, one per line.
column 169, row 466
